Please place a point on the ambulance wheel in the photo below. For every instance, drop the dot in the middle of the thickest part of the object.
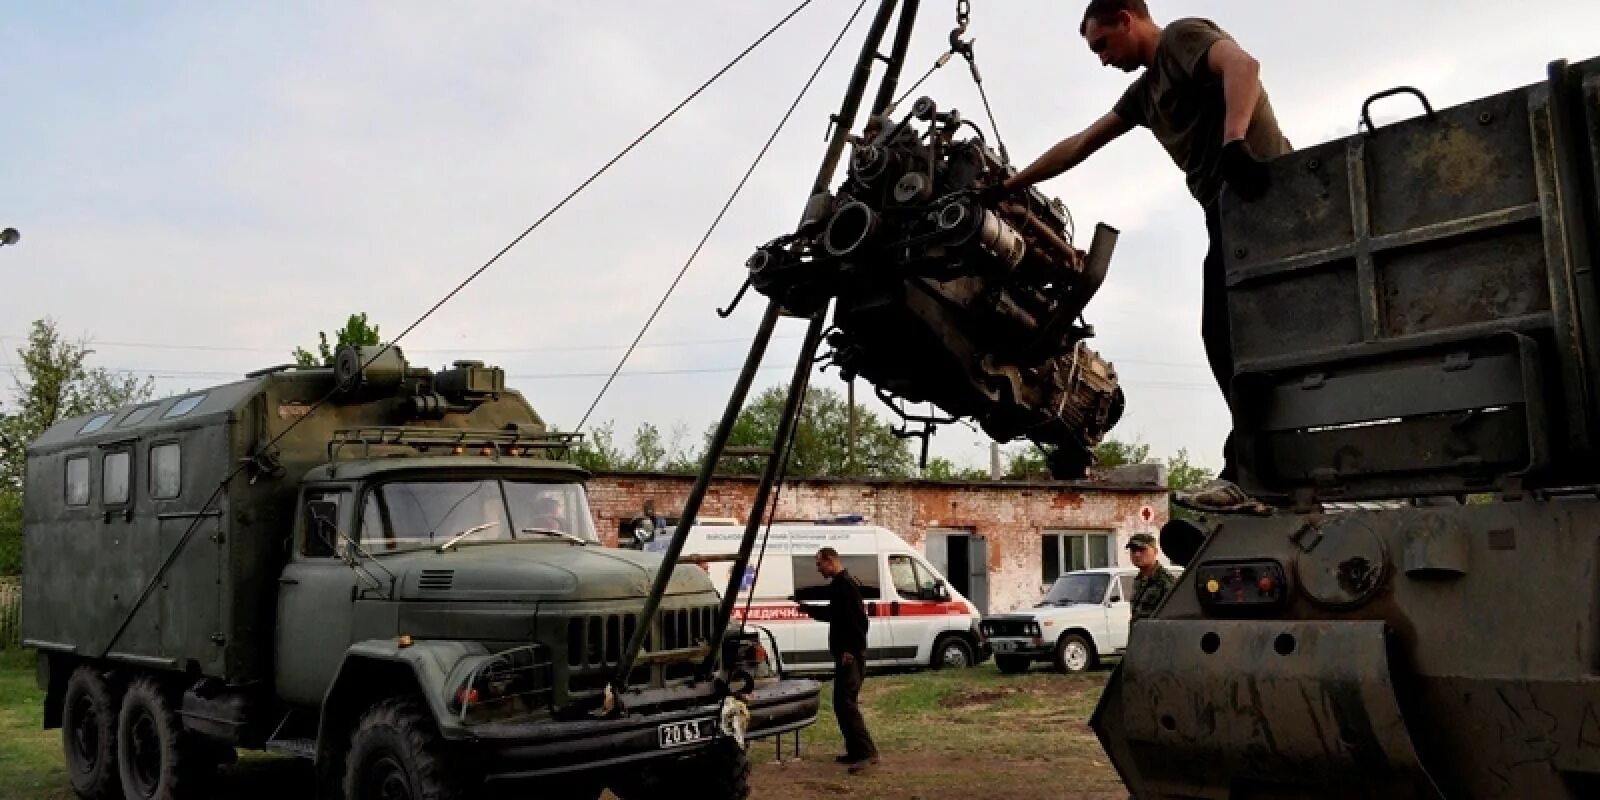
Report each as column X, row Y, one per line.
column 89, row 735
column 952, row 652
column 1013, row 665
column 1074, row 653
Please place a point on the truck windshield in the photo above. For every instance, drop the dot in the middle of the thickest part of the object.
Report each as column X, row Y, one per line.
column 404, row 514
column 1078, row 587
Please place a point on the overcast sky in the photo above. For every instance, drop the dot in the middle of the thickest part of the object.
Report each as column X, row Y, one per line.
column 201, row 186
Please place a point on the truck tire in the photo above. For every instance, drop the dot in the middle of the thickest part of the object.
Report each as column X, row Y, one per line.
column 952, row 652
column 156, row 758
column 1013, row 665
column 396, row 753
column 720, row 772
column 89, row 735
column 1075, row 653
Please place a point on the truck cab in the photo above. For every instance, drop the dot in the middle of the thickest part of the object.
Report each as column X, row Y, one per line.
column 399, row 581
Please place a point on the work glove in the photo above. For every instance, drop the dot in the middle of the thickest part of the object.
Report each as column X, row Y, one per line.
column 1245, row 174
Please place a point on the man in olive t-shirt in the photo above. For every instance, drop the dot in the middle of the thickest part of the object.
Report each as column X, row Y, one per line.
column 1201, row 95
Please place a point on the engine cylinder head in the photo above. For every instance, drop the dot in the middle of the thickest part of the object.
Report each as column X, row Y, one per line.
column 850, row 228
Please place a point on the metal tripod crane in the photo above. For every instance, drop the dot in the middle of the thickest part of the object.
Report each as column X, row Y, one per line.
column 843, row 123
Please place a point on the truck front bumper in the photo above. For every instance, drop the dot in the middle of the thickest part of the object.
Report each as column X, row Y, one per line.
column 521, row 751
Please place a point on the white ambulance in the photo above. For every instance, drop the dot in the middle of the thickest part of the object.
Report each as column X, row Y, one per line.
column 915, row 619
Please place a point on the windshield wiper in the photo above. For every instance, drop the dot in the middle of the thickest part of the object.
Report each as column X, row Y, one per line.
column 464, row 534
column 553, row 532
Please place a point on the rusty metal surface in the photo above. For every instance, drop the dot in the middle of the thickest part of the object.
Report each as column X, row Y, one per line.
column 1235, row 708
column 1472, row 628
column 1377, row 263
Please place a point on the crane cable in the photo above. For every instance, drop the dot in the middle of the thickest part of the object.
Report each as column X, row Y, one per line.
column 717, row 221
column 256, row 459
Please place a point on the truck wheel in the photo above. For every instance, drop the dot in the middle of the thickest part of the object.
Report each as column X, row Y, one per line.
column 396, row 754
column 156, row 759
column 719, row 772
column 1074, row 653
column 1013, row 665
column 952, row 652
column 89, row 735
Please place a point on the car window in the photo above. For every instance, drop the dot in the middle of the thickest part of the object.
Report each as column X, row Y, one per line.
column 904, row 575
column 1126, row 582
column 810, row 585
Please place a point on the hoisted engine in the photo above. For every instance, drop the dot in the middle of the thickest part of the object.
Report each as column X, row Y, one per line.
column 942, row 299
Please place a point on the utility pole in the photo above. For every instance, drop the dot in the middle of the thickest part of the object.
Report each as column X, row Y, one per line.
column 994, row 461
column 850, row 443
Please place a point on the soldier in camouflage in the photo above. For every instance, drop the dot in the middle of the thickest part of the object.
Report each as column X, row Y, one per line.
column 1154, row 581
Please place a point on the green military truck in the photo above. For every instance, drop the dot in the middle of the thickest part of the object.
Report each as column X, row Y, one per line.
column 388, row 570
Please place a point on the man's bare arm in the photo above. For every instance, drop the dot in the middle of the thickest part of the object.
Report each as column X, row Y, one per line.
column 1241, row 86
column 1071, row 151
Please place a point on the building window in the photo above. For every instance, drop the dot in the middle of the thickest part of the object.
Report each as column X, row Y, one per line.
column 166, row 471
column 809, row 585
column 78, row 481
column 114, row 483
column 1067, row 551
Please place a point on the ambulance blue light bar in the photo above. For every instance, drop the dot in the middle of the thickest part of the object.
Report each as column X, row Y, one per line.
column 843, row 519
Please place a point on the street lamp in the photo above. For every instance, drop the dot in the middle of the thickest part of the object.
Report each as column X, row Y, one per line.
column 9, row 236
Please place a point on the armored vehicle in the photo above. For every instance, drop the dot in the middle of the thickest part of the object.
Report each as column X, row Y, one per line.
column 389, row 570
column 1416, row 331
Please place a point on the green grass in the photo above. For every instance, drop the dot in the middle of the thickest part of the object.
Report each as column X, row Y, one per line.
column 30, row 757
column 947, row 734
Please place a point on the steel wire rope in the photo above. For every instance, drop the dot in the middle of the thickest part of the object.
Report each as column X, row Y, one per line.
column 245, row 463
column 717, row 221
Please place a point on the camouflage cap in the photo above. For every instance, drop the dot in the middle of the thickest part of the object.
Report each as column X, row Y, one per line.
column 1141, row 540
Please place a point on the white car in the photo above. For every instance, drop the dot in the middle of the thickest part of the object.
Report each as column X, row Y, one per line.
column 1084, row 618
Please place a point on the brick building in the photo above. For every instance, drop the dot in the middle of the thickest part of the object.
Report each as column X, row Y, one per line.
column 999, row 542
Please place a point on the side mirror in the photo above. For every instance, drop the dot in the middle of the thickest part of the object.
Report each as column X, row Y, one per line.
column 940, row 591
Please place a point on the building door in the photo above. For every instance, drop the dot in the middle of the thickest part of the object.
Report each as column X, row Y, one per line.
column 977, row 589
column 963, row 558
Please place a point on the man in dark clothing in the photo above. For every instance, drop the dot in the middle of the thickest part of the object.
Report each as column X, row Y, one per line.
column 846, row 616
column 1201, row 95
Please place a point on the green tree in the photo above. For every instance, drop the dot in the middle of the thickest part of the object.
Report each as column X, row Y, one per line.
column 598, row 452
column 822, row 438
column 356, row 331
column 1182, row 476
column 1030, row 461
column 54, row 384
column 943, row 469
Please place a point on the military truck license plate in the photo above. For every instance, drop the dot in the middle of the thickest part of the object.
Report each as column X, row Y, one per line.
column 678, row 734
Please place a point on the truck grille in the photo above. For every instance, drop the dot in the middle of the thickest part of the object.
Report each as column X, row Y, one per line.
column 1007, row 627
column 436, row 580
column 598, row 641
column 686, row 627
